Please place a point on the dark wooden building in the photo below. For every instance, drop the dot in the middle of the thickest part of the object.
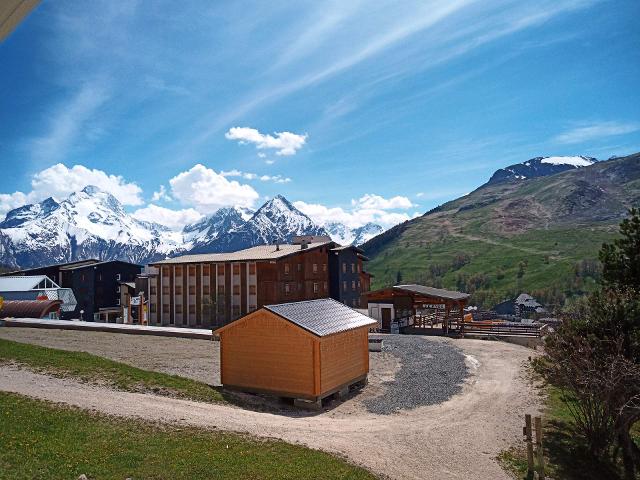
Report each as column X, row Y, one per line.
column 345, row 270
column 96, row 284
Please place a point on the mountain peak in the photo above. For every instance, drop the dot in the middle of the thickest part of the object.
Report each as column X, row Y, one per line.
column 539, row 167
column 91, row 190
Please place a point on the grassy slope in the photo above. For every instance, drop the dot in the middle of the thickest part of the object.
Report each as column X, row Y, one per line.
column 42, row 441
column 550, row 223
column 91, row 368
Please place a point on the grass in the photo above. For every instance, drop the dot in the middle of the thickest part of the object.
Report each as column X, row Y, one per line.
column 566, row 454
column 42, row 441
column 94, row 369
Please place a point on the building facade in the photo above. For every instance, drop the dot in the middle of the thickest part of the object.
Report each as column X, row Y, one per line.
column 346, row 275
column 211, row 290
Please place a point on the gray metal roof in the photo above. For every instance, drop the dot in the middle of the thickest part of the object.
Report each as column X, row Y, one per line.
column 433, row 292
column 321, row 317
column 25, row 283
column 261, row 252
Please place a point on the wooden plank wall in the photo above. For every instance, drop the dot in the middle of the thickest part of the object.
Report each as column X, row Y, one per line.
column 263, row 351
column 343, row 357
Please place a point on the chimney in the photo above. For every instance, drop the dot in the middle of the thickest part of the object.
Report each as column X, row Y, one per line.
column 304, row 244
column 277, row 247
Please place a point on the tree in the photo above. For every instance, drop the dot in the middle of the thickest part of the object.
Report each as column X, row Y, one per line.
column 621, row 259
column 398, row 277
column 595, row 355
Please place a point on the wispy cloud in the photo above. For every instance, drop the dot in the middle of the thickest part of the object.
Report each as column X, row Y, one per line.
column 284, row 143
column 68, row 122
column 596, row 131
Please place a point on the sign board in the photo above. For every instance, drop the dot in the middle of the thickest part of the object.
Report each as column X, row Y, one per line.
column 135, row 301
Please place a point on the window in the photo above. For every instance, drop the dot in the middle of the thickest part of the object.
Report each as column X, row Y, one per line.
column 325, row 286
column 299, row 287
column 353, row 285
column 286, row 269
column 118, row 289
column 178, row 308
column 165, row 271
column 358, row 268
column 165, row 289
column 118, row 301
column 99, row 277
column 152, row 290
column 252, row 289
column 315, row 268
column 324, row 267
column 286, row 289
column 205, row 270
column 315, row 288
column 236, row 269
column 359, row 285
column 117, row 276
column 192, row 289
column 178, row 289
column 152, row 308
column 165, row 308
column 221, row 289
column 221, row 269
column 299, row 267
column 236, row 289
column 178, row 271
column 344, row 286
column 344, row 267
column 192, row 309
column 192, row 271
column 206, row 290
column 252, row 269
column 353, row 268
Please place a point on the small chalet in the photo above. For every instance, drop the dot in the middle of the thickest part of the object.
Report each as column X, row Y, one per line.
column 416, row 307
column 305, row 350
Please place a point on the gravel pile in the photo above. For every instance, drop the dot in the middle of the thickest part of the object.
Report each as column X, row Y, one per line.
column 431, row 372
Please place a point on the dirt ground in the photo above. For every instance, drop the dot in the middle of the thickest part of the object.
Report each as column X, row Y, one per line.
column 457, row 439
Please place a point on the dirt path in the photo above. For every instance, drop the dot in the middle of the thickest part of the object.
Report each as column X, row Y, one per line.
column 458, row 439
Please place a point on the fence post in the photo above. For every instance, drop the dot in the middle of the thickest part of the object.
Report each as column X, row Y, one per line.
column 539, row 452
column 528, row 440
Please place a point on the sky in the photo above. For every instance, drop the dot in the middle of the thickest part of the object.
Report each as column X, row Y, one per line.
column 355, row 111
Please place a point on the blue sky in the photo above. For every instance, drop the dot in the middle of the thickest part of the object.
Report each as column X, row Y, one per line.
column 354, row 110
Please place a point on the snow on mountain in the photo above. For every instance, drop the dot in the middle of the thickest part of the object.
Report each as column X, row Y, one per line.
column 574, row 161
column 539, row 167
column 344, row 235
column 210, row 228
column 88, row 224
column 275, row 221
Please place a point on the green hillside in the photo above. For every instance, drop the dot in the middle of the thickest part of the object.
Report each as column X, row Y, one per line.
column 541, row 236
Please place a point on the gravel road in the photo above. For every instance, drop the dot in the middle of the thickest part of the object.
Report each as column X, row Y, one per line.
column 458, row 437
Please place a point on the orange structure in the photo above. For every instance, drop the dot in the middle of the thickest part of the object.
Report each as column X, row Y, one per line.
column 305, row 350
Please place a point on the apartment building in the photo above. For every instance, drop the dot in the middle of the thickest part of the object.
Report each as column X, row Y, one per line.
column 346, row 275
column 210, row 290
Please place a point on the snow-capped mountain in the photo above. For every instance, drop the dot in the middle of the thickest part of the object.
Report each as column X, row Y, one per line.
column 88, row 224
column 212, row 227
column 275, row 221
column 539, row 167
column 344, row 235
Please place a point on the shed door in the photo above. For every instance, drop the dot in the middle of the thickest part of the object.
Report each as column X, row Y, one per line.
column 386, row 318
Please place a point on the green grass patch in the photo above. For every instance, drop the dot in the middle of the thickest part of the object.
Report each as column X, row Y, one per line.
column 95, row 369
column 43, row 441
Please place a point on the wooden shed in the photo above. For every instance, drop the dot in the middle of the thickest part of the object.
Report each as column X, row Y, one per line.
column 305, row 350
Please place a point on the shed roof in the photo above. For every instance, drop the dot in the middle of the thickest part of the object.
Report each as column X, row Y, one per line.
column 321, row 317
column 25, row 283
column 260, row 252
column 28, row 308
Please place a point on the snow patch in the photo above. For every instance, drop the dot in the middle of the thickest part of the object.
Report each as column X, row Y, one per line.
column 575, row 161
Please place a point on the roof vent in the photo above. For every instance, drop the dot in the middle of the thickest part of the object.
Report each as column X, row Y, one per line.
column 304, row 245
column 277, row 247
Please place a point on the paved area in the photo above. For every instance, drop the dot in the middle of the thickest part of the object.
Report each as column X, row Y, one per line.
column 456, row 436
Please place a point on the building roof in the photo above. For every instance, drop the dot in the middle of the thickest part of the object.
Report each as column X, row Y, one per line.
column 25, row 283
column 78, row 265
column 59, row 265
column 433, row 292
column 527, row 300
column 28, row 308
column 321, row 317
column 260, row 252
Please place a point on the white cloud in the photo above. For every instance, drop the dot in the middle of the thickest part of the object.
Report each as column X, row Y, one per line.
column 370, row 201
column 58, row 181
column 253, row 176
column 368, row 208
column 174, row 219
column 269, row 162
column 161, row 194
column 206, row 190
column 285, row 143
column 262, row 155
column 596, row 131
